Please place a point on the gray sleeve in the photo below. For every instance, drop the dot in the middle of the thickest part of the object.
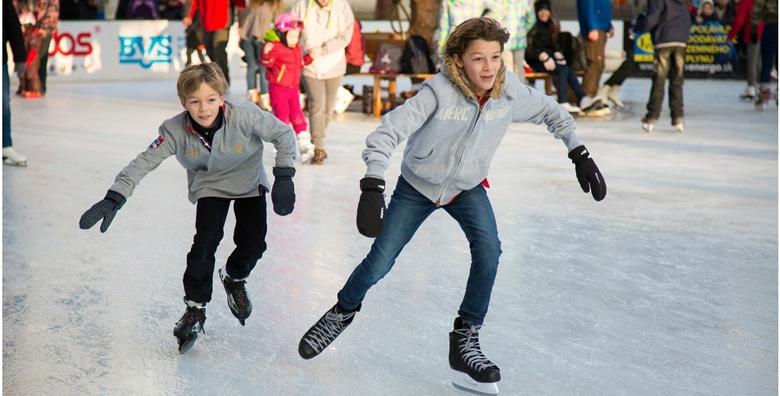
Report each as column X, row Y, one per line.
column 270, row 129
column 536, row 107
column 129, row 177
column 396, row 126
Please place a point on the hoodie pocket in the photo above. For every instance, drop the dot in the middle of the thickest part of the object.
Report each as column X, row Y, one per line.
column 429, row 165
column 423, row 156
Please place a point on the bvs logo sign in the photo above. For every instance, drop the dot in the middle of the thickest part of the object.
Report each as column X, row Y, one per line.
column 134, row 49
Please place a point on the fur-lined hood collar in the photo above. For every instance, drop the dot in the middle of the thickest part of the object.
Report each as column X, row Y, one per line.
column 457, row 76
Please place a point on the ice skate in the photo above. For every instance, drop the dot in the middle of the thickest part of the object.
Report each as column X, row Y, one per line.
column 613, row 94
column 265, row 102
column 253, row 96
column 573, row 110
column 647, row 125
column 319, row 156
column 319, row 336
column 237, row 298
column 601, row 110
column 749, row 95
column 190, row 324
column 764, row 98
column 679, row 125
column 305, row 147
column 588, row 103
column 13, row 157
column 473, row 372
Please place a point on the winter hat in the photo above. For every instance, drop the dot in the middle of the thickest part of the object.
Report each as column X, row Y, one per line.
column 542, row 5
column 703, row 2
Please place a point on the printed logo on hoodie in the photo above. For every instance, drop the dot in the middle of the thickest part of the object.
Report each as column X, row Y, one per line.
column 453, row 112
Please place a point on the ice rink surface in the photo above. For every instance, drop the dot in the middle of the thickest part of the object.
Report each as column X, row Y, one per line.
column 667, row 287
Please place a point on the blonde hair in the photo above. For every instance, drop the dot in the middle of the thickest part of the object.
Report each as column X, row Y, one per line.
column 192, row 77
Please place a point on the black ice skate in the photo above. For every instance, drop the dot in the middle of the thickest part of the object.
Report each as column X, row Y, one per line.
column 188, row 327
column 325, row 331
column 238, row 300
column 473, row 371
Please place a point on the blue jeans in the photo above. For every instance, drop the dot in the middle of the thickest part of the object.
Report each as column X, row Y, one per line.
column 406, row 212
column 252, row 48
column 566, row 77
column 6, row 108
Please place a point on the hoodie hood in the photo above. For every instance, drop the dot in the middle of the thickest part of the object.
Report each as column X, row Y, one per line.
column 459, row 79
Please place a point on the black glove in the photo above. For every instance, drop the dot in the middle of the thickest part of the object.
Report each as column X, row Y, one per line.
column 588, row 173
column 371, row 208
column 105, row 209
column 283, row 191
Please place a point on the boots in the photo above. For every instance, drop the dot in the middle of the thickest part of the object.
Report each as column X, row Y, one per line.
column 253, row 95
column 319, row 156
column 305, row 147
column 265, row 102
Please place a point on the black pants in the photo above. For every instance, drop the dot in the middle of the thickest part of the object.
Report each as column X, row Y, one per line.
column 249, row 237
column 626, row 69
column 216, row 49
column 669, row 63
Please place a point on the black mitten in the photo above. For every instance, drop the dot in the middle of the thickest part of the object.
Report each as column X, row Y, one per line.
column 588, row 173
column 105, row 209
column 283, row 191
column 371, row 208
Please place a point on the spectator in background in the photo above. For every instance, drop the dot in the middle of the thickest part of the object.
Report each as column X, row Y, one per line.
column 518, row 18
column 356, row 50
column 43, row 19
column 215, row 19
column 451, row 14
column 766, row 11
column 194, row 36
column 750, row 36
column 595, row 18
column 706, row 14
column 171, row 9
column 328, row 26
column 668, row 22
column 79, row 9
column 12, row 34
column 544, row 55
column 253, row 23
column 725, row 10
column 137, row 9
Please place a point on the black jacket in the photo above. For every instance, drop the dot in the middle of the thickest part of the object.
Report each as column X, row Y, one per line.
column 12, row 33
column 540, row 40
column 667, row 21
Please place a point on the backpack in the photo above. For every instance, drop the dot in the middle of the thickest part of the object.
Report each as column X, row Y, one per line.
column 388, row 60
column 142, row 9
column 416, row 56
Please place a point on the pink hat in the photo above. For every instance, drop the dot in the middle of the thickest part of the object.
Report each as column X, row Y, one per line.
column 287, row 22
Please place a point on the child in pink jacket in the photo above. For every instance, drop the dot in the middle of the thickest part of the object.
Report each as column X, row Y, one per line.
column 284, row 61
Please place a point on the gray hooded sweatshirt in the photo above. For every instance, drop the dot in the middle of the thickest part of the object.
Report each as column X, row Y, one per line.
column 234, row 166
column 451, row 139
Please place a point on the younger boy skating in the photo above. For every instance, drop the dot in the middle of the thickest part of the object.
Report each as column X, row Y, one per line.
column 220, row 144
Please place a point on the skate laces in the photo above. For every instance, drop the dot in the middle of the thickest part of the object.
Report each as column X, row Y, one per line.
column 327, row 330
column 194, row 315
column 470, row 349
column 238, row 291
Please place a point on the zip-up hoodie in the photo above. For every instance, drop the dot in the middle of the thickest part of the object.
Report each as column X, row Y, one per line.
column 668, row 22
column 451, row 139
column 233, row 168
column 328, row 28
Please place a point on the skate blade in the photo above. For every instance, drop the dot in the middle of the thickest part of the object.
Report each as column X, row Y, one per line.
column 464, row 382
column 186, row 343
column 242, row 321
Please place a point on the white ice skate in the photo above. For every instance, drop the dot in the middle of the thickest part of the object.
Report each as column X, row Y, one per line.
column 13, row 157
column 464, row 382
column 305, row 147
column 647, row 125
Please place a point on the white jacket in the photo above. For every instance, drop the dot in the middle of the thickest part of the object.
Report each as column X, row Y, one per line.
column 328, row 28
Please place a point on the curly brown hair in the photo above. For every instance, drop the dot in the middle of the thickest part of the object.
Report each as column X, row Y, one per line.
column 484, row 28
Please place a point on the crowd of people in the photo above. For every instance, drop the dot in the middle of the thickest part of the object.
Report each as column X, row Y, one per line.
column 310, row 47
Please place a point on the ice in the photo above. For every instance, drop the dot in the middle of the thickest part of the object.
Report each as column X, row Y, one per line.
column 668, row 286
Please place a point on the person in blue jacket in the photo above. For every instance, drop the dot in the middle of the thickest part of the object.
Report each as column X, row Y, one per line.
column 454, row 125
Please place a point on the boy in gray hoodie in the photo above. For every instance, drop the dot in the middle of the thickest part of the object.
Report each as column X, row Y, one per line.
column 454, row 124
column 220, row 144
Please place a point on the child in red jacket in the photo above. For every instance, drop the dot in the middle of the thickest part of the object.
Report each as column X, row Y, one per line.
column 284, row 61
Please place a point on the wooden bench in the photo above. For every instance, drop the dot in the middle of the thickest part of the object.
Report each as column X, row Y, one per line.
column 392, row 85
